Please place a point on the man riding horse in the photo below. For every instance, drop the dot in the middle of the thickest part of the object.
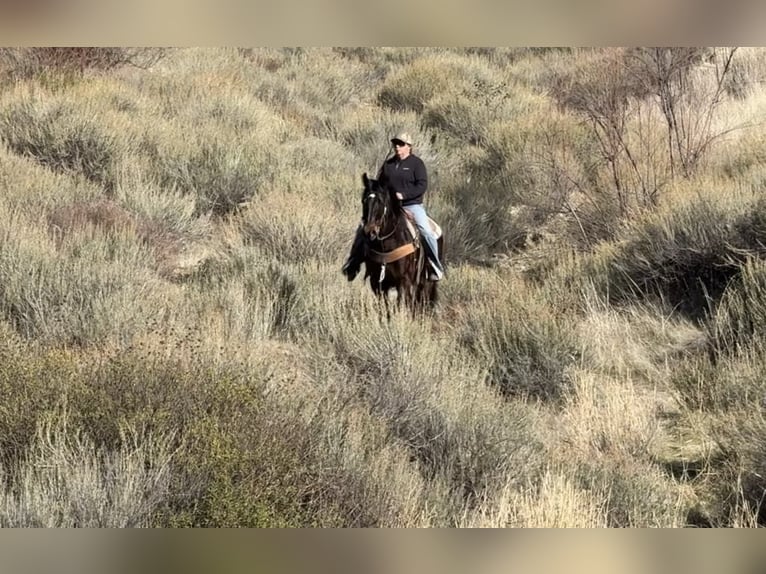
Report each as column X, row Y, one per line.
column 405, row 174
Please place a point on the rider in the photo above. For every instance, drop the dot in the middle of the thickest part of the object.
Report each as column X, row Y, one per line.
column 406, row 174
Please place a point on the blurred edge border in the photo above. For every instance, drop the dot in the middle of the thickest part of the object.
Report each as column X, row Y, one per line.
column 349, row 23
column 382, row 551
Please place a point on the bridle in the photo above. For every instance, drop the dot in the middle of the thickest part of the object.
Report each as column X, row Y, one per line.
column 373, row 194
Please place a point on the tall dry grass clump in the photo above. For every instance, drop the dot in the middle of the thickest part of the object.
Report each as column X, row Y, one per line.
column 61, row 137
column 525, row 348
column 66, row 481
column 685, row 253
column 76, row 285
column 412, row 86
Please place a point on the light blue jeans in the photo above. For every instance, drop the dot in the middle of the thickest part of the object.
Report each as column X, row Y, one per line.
column 418, row 212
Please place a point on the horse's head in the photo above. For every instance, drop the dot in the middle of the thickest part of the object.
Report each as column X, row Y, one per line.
column 379, row 206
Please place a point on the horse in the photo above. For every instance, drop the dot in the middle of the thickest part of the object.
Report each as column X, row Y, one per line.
column 395, row 256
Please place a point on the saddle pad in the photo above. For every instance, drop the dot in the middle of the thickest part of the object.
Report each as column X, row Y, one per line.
column 435, row 227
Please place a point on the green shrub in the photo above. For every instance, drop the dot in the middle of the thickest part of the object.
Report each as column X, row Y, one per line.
column 313, row 89
column 32, row 382
column 240, row 458
column 522, row 176
column 303, row 233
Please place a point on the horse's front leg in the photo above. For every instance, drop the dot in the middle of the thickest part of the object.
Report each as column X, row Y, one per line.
column 405, row 295
column 415, row 300
column 387, row 303
column 383, row 302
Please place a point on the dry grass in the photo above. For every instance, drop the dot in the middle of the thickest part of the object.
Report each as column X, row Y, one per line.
column 555, row 503
column 66, row 481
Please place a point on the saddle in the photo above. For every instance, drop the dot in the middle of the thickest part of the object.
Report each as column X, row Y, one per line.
column 415, row 233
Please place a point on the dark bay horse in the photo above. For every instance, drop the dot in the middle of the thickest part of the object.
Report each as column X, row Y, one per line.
column 394, row 257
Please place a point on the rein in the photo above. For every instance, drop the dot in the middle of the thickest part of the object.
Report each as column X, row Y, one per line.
column 395, row 254
column 386, row 257
column 396, row 225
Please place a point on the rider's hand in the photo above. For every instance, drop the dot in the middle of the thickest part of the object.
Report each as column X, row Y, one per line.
column 399, row 196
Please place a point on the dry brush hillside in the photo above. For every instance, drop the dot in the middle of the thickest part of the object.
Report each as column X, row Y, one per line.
column 179, row 348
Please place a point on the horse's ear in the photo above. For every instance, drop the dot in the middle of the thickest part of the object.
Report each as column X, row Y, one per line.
column 365, row 180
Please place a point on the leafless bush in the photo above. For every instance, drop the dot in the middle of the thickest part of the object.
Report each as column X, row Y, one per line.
column 688, row 100
column 601, row 89
column 621, row 94
column 22, row 63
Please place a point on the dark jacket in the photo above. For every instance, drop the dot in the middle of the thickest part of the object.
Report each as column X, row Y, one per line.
column 407, row 176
